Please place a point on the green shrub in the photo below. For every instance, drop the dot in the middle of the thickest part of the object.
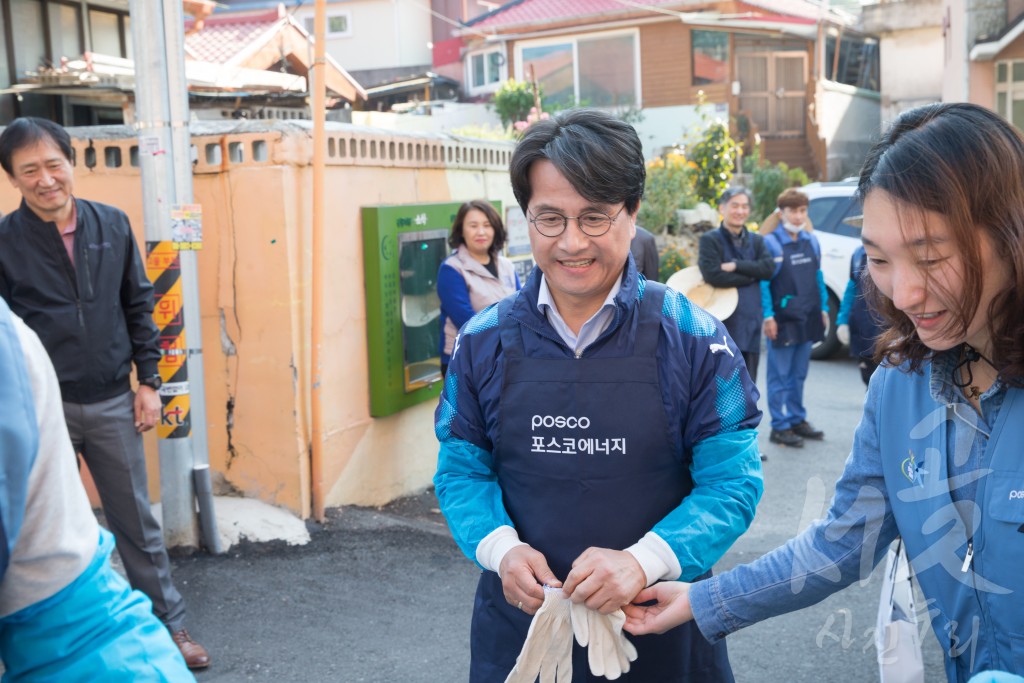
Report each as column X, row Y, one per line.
column 670, row 261
column 669, row 187
column 512, row 101
column 768, row 183
column 715, row 158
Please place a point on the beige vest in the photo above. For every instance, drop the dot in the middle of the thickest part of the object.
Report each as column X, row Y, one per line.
column 484, row 288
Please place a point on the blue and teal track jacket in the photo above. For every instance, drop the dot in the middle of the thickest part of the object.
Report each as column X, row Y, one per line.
column 709, row 398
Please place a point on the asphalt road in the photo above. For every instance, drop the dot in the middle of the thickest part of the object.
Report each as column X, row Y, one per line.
column 385, row 596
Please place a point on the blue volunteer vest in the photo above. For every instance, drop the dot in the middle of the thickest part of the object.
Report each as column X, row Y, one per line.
column 744, row 324
column 583, row 458
column 978, row 614
column 796, row 299
column 864, row 327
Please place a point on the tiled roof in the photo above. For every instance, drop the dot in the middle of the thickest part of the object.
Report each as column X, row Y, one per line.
column 533, row 13
column 805, row 9
column 239, row 39
column 525, row 12
column 225, row 39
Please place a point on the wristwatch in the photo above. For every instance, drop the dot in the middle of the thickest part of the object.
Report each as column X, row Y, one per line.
column 154, row 382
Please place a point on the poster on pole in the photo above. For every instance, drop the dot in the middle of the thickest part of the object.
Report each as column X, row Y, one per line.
column 187, row 227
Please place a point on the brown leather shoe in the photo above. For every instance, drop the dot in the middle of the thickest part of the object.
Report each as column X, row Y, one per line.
column 196, row 656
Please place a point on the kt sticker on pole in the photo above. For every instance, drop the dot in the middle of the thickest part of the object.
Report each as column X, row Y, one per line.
column 163, row 267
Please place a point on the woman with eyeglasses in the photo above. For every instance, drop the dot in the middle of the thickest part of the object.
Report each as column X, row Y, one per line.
column 476, row 275
column 937, row 457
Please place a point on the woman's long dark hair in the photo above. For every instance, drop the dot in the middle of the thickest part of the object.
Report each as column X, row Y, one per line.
column 966, row 164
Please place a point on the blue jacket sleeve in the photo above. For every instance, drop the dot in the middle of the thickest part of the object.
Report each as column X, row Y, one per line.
column 829, row 555
column 454, row 295
column 843, row 318
column 468, row 492
column 718, row 416
column 728, row 484
column 465, row 481
column 766, row 299
column 822, row 291
column 771, row 243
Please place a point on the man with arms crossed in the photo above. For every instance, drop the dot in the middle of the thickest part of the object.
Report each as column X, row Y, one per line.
column 732, row 256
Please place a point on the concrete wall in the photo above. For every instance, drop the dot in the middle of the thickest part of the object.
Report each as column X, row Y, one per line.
column 849, row 120
column 255, row 293
column 912, row 69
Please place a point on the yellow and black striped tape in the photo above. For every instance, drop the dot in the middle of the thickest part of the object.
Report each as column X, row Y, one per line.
column 163, row 267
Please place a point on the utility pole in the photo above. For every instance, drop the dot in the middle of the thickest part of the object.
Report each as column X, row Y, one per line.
column 318, row 110
column 165, row 161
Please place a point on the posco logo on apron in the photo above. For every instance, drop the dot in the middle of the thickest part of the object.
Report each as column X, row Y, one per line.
column 559, row 421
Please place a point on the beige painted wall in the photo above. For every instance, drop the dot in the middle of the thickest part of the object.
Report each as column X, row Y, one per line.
column 911, row 63
column 255, row 289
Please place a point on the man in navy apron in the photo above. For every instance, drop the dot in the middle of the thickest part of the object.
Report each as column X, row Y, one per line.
column 732, row 256
column 795, row 304
column 596, row 429
column 858, row 325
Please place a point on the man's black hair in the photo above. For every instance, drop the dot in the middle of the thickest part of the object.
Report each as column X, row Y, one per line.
column 601, row 157
column 27, row 131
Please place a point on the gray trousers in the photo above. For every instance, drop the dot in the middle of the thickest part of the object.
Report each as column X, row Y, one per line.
column 104, row 433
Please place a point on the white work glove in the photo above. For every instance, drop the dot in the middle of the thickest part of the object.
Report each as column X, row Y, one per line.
column 547, row 651
column 609, row 652
column 843, row 334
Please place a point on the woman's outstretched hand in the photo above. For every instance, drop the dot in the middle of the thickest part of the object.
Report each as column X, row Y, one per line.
column 671, row 609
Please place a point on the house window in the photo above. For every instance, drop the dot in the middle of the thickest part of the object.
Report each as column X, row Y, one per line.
column 29, row 48
column 709, row 55
column 64, row 35
column 338, row 25
column 485, row 69
column 598, row 70
column 105, row 29
column 1010, row 92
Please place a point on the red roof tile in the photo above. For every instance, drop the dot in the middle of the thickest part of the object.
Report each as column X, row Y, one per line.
column 535, row 13
column 547, row 11
column 223, row 39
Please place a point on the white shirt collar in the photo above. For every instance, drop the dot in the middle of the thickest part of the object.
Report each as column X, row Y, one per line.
column 591, row 329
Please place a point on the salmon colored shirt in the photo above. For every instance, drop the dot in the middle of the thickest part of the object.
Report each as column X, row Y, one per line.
column 68, row 233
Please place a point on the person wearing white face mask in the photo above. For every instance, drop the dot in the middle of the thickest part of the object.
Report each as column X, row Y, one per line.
column 936, row 458
column 476, row 275
column 795, row 305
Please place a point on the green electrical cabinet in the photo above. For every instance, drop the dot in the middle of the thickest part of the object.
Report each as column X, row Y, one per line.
column 403, row 247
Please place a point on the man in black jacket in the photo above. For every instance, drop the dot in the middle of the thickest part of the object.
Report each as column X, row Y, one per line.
column 732, row 256
column 644, row 248
column 70, row 268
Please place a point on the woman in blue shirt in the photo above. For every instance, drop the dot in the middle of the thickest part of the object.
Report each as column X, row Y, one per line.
column 936, row 458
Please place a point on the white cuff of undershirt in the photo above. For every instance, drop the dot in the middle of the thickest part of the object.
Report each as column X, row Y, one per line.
column 491, row 550
column 656, row 558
